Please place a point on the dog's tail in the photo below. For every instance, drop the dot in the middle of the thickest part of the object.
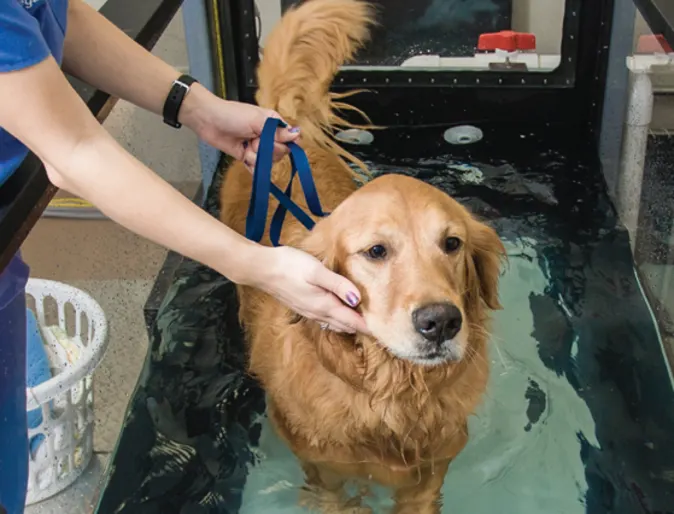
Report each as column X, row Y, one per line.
column 301, row 57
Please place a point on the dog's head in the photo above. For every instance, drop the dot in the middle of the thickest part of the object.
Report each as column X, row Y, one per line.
column 426, row 269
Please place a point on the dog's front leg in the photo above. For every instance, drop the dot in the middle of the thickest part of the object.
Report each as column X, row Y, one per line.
column 324, row 492
column 423, row 497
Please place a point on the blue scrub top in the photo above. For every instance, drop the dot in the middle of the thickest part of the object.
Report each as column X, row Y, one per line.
column 30, row 31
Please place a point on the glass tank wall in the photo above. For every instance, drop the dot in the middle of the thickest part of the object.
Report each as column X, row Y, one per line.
column 453, row 35
column 447, row 35
column 638, row 159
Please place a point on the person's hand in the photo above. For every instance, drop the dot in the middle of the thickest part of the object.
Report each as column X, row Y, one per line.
column 290, row 275
column 310, row 289
column 233, row 127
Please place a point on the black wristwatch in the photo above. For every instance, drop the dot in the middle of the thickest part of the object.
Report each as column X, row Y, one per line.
column 174, row 100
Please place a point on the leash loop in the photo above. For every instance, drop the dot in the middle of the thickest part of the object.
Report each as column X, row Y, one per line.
column 263, row 186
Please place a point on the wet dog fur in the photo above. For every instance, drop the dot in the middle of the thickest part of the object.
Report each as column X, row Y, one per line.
column 390, row 407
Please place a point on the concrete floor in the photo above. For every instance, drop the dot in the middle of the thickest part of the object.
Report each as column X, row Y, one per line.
column 117, row 268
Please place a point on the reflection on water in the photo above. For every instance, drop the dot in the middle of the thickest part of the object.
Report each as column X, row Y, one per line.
column 577, row 417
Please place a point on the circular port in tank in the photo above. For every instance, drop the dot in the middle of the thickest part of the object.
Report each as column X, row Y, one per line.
column 463, row 135
column 355, row 137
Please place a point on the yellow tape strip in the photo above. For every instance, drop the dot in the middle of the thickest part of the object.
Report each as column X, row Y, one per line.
column 218, row 49
column 70, row 203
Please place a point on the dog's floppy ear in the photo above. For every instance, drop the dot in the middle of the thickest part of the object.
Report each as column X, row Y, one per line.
column 321, row 245
column 486, row 254
column 337, row 352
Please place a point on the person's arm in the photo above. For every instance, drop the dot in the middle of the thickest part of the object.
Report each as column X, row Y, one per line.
column 47, row 115
column 39, row 108
column 100, row 54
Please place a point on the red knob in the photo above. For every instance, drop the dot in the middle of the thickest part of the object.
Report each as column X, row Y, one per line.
column 653, row 44
column 507, row 40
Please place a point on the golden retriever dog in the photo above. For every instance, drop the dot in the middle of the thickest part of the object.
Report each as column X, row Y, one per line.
column 392, row 406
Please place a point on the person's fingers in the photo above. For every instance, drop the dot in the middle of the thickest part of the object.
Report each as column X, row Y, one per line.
column 347, row 320
column 249, row 158
column 280, row 151
column 239, row 150
column 326, row 322
column 336, row 326
column 347, row 292
column 336, row 284
column 284, row 133
column 332, row 314
column 269, row 113
column 254, row 144
column 287, row 134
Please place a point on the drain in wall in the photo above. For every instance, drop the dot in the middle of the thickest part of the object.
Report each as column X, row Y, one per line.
column 355, row 137
column 463, row 135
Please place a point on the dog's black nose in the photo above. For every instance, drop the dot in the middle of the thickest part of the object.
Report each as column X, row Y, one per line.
column 437, row 322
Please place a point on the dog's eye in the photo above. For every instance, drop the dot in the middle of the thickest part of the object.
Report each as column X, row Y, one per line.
column 452, row 244
column 377, row 252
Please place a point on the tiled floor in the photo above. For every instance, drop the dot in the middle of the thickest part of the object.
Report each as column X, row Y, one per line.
column 118, row 269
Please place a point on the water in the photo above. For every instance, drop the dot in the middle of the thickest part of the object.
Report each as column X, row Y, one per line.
column 529, row 422
column 578, row 415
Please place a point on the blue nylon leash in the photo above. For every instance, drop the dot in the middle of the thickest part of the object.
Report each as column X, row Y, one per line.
column 258, row 207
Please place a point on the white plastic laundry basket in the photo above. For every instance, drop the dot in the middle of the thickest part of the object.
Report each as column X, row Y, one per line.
column 66, row 400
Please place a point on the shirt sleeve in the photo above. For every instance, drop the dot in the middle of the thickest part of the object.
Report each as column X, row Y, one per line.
column 21, row 42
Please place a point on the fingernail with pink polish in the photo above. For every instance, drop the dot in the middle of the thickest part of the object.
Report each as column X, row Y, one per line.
column 294, row 130
column 352, row 299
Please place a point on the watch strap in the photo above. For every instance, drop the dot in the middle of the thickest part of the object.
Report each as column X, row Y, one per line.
column 179, row 89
